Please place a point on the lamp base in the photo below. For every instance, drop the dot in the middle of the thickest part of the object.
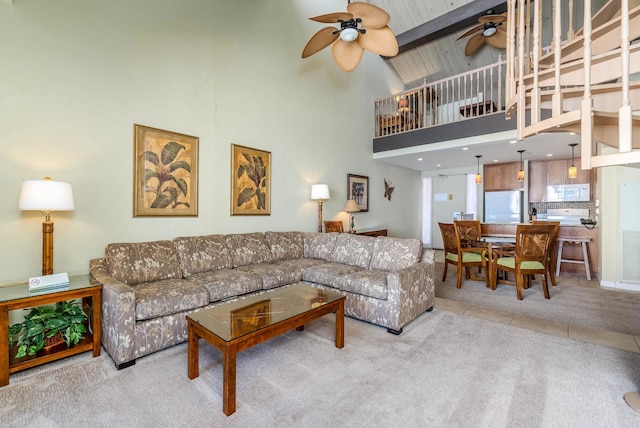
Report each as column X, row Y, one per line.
column 633, row 400
column 47, row 248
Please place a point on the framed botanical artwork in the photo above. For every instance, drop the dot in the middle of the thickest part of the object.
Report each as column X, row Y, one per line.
column 358, row 190
column 250, row 181
column 165, row 173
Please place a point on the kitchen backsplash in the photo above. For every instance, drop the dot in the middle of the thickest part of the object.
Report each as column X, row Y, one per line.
column 542, row 207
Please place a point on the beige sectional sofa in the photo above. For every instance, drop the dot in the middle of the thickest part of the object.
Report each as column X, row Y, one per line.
column 148, row 287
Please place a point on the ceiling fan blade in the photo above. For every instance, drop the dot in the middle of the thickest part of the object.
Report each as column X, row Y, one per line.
column 332, row 18
column 347, row 54
column 319, row 41
column 471, row 31
column 380, row 41
column 498, row 40
column 372, row 16
column 474, row 44
column 492, row 18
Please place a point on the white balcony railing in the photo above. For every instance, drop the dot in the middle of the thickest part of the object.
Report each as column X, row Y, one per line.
column 475, row 93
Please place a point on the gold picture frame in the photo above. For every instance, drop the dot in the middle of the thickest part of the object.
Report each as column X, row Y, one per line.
column 165, row 173
column 250, row 318
column 250, row 181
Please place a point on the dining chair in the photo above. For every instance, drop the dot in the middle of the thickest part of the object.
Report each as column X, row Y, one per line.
column 460, row 256
column 553, row 251
column 468, row 230
column 533, row 242
column 333, row 226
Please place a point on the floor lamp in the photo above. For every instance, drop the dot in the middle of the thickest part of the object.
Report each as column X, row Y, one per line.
column 319, row 192
column 46, row 196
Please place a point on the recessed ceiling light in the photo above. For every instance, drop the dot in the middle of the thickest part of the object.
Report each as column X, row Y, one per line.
column 438, row 165
column 549, row 154
column 496, row 160
column 420, row 159
column 513, row 141
column 465, row 148
column 572, row 133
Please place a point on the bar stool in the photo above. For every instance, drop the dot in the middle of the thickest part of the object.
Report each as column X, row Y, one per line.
column 585, row 254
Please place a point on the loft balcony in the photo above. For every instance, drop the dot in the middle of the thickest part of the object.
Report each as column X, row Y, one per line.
column 434, row 111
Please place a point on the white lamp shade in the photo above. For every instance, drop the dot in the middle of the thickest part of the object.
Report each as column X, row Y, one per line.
column 351, row 206
column 46, row 195
column 320, row 191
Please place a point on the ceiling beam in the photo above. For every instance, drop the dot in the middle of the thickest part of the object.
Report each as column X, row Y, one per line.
column 452, row 22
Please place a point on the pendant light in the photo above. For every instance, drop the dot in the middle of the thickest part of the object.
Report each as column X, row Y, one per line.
column 478, row 176
column 521, row 172
column 573, row 171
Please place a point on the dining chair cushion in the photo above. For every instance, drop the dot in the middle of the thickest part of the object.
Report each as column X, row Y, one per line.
column 467, row 257
column 510, row 262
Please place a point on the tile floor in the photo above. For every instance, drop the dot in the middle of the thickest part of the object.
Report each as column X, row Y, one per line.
column 570, row 331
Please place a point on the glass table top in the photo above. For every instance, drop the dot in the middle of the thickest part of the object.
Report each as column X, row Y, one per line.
column 17, row 291
column 237, row 318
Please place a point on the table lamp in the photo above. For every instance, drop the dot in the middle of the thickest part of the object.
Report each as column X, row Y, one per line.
column 351, row 207
column 46, row 196
column 320, row 192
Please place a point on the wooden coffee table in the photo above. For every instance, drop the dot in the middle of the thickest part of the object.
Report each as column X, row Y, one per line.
column 235, row 326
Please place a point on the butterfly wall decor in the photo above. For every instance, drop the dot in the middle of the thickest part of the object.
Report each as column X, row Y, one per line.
column 388, row 189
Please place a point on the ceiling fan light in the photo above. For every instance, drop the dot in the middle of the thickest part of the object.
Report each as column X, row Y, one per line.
column 349, row 34
column 489, row 31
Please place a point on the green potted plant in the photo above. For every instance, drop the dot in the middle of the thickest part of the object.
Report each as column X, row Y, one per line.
column 43, row 323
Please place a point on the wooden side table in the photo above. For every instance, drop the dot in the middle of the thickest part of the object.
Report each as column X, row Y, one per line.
column 371, row 232
column 14, row 297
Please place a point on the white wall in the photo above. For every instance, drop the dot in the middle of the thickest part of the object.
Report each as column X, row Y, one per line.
column 77, row 75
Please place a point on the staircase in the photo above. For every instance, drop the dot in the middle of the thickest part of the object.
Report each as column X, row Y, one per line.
column 582, row 78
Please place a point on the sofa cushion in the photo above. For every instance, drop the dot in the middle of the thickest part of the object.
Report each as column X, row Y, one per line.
column 202, row 253
column 354, row 250
column 299, row 265
column 319, row 245
column 372, row 283
column 328, row 273
column 248, row 248
column 141, row 262
column 224, row 283
column 395, row 253
column 285, row 245
column 274, row 275
column 158, row 298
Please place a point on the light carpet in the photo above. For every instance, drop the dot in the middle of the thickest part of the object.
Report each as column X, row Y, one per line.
column 444, row 370
column 613, row 310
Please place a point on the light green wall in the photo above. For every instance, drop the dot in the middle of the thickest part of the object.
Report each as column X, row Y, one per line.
column 76, row 76
column 611, row 178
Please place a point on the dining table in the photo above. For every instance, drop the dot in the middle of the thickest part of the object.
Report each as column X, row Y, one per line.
column 496, row 246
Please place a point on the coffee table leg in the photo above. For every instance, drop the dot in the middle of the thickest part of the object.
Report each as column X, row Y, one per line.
column 340, row 325
column 192, row 353
column 229, row 380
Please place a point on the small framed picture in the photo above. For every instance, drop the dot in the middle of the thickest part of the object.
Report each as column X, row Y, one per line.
column 165, row 176
column 358, row 190
column 250, row 181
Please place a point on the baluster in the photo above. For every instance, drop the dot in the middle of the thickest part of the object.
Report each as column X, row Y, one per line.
column 556, row 100
column 624, row 115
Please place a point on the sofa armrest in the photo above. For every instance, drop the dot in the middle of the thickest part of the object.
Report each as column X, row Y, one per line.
column 118, row 314
column 412, row 290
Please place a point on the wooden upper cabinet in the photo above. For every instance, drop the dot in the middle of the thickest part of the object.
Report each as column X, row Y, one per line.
column 558, row 170
column 537, row 181
column 502, row 176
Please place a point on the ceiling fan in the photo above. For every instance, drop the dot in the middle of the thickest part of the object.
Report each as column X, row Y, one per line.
column 491, row 29
column 363, row 26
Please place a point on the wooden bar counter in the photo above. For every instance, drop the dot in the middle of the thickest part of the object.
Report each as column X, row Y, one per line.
column 568, row 252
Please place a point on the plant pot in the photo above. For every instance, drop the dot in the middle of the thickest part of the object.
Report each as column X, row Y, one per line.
column 51, row 342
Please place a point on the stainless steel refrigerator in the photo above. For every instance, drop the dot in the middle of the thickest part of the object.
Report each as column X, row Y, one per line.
column 503, row 207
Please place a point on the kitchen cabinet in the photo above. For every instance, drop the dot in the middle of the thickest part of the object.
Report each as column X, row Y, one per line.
column 557, row 172
column 502, row 176
column 547, row 173
column 537, row 181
